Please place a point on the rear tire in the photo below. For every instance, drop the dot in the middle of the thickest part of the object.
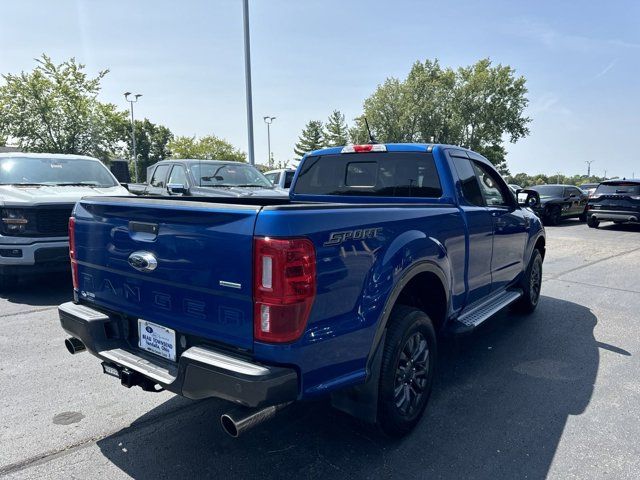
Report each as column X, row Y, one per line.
column 554, row 216
column 593, row 222
column 531, row 284
column 407, row 370
column 8, row 282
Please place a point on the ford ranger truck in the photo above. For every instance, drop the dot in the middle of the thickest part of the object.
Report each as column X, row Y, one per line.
column 338, row 291
column 37, row 193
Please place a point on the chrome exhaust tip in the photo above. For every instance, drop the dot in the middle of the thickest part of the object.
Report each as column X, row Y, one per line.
column 74, row 345
column 242, row 419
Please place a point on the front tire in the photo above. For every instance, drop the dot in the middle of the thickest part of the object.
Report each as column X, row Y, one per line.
column 531, row 284
column 554, row 216
column 593, row 222
column 407, row 370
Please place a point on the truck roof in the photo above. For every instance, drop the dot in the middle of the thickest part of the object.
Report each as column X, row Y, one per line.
column 392, row 147
column 61, row 156
column 196, row 160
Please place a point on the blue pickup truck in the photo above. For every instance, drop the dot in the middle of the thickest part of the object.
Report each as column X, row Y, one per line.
column 341, row 290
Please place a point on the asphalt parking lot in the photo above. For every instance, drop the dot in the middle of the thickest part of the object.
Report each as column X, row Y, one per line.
column 552, row 395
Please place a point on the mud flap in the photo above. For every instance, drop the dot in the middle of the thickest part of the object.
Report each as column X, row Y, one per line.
column 361, row 401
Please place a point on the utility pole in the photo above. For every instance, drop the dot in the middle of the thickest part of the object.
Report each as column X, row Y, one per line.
column 605, row 174
column 558, row 178
column 247, row 75
column 589, row 162
column 269, row 120
column 133, row 130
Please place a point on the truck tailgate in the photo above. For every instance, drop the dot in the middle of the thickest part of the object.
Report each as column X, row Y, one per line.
column 202, row 283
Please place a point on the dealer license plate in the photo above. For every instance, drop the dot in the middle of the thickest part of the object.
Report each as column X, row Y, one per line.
column 157, row 339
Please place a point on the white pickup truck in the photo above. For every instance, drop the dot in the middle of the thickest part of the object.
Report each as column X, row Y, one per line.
column 37, row 193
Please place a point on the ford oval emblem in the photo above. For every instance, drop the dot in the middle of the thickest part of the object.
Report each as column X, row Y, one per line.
column 149, row 329
column 143, row 261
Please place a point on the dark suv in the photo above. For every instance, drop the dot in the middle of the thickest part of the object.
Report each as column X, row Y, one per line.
column 615, row 200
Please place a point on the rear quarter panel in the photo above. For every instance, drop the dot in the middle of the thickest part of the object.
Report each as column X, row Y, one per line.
column 355, row 277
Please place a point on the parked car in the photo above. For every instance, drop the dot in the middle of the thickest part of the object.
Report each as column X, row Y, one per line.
column 589, row 188
column 616, row 201
column 37, row 194
column 558, row 202
column 338, row 290
column 205, row 178
column 281, row 178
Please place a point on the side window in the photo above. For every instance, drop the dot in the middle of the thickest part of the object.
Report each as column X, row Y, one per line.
column 573, row 191
column 468, row 181
column 271, row 177
column 288, row 179
column 159, row 176
column 178, row 176
column 489, row 186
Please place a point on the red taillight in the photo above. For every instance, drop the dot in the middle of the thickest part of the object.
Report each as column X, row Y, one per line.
column 72, row 252
column 367, row 147
column 284, row 287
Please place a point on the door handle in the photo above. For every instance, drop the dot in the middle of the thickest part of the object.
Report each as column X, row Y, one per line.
column 500, row 223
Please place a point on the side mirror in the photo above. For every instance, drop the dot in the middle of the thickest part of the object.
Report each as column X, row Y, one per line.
column 528, row 198
column 176, row 189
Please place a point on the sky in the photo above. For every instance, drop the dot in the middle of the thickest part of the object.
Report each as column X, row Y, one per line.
column 581, row 60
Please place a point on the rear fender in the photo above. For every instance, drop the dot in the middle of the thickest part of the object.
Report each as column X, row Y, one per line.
column 411, row 254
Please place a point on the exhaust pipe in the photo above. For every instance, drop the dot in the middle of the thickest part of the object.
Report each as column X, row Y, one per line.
column 74, row 345
column 238, row 421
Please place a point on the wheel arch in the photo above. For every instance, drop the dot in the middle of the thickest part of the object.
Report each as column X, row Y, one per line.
column 424, row 276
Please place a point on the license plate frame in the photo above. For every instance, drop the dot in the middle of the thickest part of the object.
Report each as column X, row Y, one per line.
column 157, row 339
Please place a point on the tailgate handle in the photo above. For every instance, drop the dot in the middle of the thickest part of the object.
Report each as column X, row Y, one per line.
column 143, row 227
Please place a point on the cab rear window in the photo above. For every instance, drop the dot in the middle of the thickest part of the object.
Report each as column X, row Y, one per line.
column 620, row 188
column 394, row 174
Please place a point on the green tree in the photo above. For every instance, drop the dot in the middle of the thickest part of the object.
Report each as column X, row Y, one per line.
column 478, row 106
column 208, row 147
column 336, row 132
column 526, row 180
column 152, row 144
column 54, row 109
column 312, row 138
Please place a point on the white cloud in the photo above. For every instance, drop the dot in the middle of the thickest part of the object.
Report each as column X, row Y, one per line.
column 544, row 34
column 606, row 69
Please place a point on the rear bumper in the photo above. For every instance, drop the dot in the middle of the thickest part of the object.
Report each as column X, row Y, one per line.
column 614, row 215
column 201, row 371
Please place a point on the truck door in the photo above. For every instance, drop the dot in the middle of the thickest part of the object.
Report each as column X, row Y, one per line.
column 158, row 182
column 177, row 183
column 480, row 227
column 509, row 227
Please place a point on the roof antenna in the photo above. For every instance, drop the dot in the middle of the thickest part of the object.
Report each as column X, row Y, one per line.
column 372, row 139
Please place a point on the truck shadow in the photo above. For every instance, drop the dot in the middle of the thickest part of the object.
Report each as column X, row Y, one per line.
column 622, row 227
column 41, row 290
column 498, row 410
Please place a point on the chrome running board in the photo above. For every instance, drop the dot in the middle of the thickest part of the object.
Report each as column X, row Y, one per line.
column 485, row 310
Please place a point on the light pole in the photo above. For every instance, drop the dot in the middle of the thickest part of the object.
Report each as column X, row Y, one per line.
column 133, row 130
column 589, row 162
column 269, row 120
column 247, row 75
